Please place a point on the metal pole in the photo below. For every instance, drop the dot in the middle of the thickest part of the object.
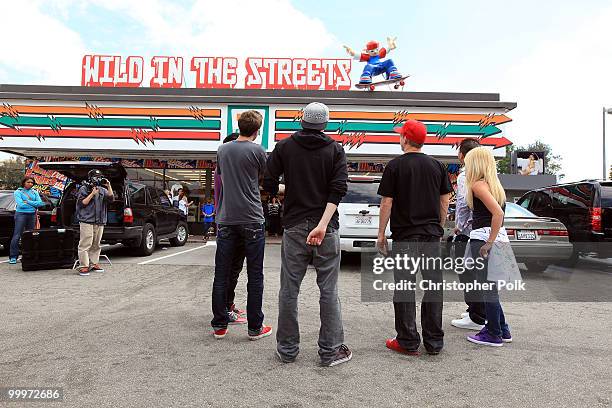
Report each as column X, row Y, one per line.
column 605, row 175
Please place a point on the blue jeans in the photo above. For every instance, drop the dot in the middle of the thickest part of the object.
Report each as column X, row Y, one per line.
column 229, row 238
column 496, row 321
column 23, row 221
column 385, row 67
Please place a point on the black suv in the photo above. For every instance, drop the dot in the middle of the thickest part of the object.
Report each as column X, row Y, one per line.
column 139, row 216
column 584, row 207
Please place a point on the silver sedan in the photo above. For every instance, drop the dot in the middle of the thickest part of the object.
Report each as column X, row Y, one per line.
column 536, row 241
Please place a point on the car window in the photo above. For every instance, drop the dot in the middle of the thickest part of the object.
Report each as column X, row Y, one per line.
column 138, row 193
column 7, row 202
column 153, row 196
column 606, row 196
column 516, row 211
column 526, row 200
column 573, row 196
column 163, row 198
column 542, row 201
column 362, row 193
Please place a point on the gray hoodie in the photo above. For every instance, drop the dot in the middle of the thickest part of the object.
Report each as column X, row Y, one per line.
column 95, row 212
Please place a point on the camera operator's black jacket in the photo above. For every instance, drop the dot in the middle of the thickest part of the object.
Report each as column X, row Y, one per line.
column 95, row 212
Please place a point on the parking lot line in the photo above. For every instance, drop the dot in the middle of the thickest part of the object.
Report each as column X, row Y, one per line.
column 171, row 255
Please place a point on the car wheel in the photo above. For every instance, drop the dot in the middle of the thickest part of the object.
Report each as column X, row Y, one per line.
column 148, row 241
column 182, row 233
column 536, row 267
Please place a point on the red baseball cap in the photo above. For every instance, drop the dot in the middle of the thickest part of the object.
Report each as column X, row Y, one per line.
column 413, row 130
column 372, row 45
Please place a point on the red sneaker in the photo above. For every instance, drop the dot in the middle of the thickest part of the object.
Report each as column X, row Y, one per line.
column 264, row 332
column 220, row 333
column 393, row 344
column 236, row 310
column 235, row 318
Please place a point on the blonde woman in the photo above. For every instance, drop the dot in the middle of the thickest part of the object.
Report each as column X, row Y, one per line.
column 531, row 169
column 486, row 197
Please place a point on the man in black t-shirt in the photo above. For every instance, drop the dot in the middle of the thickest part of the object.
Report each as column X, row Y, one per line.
column 415, row 192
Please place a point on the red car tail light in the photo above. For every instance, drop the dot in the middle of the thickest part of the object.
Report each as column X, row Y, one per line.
column 54, row 216
column 595, row 214
column 554, row 233
column 128, row 216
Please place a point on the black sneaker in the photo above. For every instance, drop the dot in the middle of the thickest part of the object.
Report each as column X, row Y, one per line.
column 96, row 268
column 285, row 360
column 342, row 356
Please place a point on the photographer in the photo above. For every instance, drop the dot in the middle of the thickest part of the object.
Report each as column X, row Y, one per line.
column 91, row 211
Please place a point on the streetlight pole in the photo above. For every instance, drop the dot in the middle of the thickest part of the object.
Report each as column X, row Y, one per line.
column 608, row 111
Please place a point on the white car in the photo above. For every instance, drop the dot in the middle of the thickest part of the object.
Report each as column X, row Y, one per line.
column 359, row 212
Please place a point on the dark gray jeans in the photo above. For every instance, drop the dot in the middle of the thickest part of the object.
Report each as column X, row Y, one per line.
column 295, row 257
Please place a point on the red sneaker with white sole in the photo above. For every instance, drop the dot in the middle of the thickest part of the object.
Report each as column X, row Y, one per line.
column 234, row 309
column 264, row 332
column 393, row 344
column 220, row 333
column 235, row 318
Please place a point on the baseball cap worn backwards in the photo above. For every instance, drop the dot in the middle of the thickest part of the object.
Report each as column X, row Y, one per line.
column 315, row 116
column 413, row 130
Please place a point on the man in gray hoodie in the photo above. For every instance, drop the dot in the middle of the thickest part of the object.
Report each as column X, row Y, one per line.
column 91, row 212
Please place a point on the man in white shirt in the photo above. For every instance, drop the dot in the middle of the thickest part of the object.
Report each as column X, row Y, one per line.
column 474, row 317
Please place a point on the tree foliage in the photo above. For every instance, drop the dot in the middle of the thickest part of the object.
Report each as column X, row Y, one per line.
column 12, row 172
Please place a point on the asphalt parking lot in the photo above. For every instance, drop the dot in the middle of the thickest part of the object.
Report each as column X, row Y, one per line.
column 138, row 335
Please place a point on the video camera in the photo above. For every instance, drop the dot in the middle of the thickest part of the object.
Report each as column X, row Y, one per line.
column 95, row 178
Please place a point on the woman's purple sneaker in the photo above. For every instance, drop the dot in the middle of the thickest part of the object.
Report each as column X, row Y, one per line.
column 484, row 338
column 506, row 336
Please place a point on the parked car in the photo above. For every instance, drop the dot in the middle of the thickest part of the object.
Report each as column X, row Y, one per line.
column 7, row 215
column 536, row 241
column 358, row 215
column 586, row 210
column 139, row 217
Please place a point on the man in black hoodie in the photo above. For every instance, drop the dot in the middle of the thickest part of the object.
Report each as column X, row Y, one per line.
column 315, row 176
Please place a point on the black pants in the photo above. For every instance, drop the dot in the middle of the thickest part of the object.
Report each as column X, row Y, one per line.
column 419, row 246
column 232, row 278
column 275, row 225
column 473, row 299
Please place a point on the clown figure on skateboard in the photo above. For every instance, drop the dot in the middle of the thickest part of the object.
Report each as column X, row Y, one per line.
column 374, row 56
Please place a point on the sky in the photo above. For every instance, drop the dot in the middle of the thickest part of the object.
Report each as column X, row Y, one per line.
column 553, row 58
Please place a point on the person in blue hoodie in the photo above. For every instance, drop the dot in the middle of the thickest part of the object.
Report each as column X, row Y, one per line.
column 27, row 200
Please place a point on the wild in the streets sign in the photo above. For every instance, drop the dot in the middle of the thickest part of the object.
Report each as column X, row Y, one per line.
column 217, row 72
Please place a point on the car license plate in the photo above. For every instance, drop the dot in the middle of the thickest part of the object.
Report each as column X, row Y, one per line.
column 525, row 235
column 364, row 244
column 363, row 220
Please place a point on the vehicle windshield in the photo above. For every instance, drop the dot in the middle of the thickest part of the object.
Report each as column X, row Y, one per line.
column 516, row 211
column 362, row 193
column 6, row 201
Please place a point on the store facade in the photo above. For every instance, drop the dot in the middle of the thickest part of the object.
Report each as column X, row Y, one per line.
column 169, row 137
